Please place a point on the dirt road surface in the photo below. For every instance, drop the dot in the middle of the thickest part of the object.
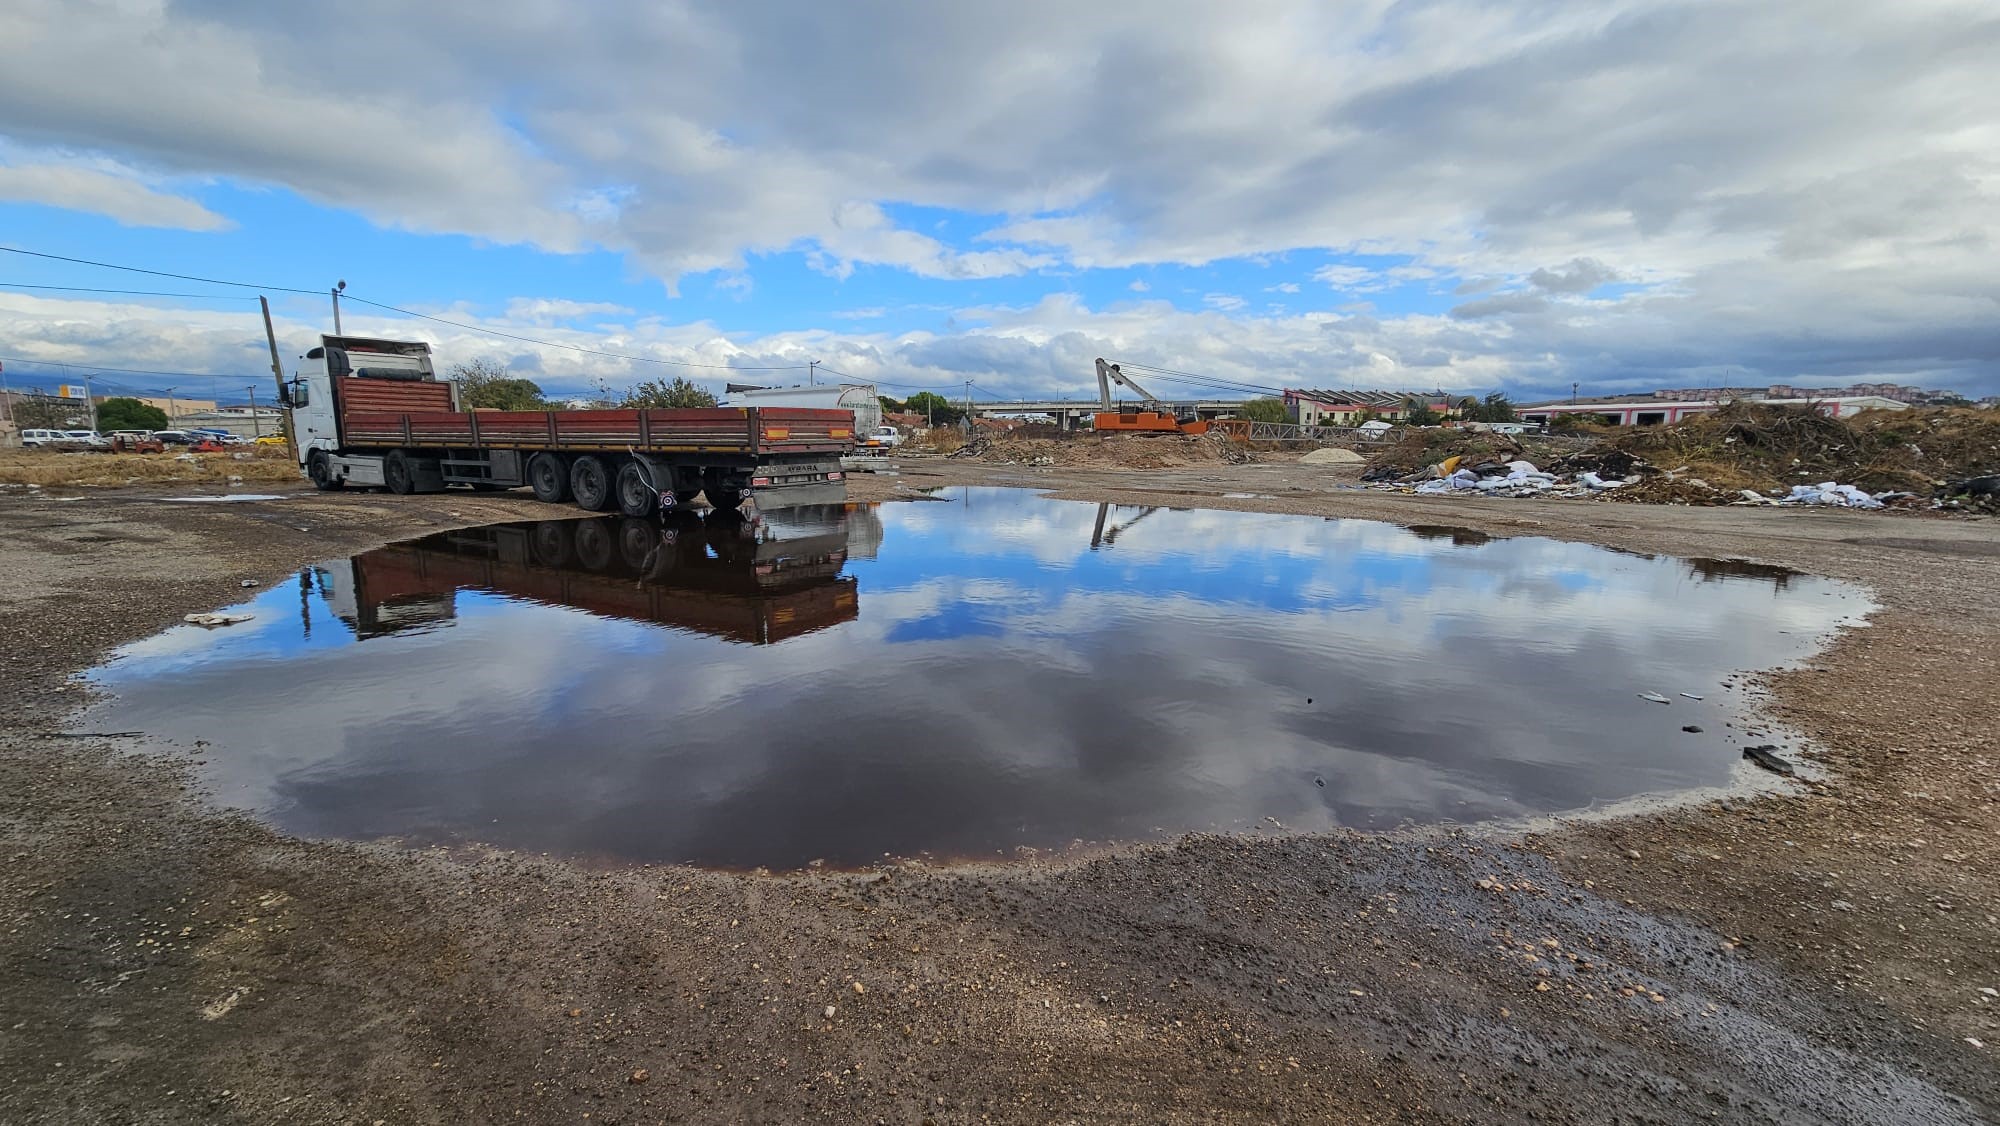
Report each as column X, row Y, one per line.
column 1822, row 955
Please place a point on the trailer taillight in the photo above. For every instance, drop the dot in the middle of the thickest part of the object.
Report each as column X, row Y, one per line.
column 759, row 482
column 835, row 476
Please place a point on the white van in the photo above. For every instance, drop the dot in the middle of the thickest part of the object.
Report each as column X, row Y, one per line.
column 35, row 438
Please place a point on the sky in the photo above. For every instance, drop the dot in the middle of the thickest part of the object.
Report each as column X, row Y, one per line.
column 1403, row 194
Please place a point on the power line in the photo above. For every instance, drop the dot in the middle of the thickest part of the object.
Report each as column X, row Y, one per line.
column 129, row 292
column 349, row 296
column 1203, row 380
column 155, row 273
column 404, row 312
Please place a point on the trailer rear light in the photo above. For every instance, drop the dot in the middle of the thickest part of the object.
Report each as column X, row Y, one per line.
column 759, row 482
column 835, row 476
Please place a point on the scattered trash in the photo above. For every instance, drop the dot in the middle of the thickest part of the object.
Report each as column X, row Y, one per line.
column 1654, row 697
column 1692, row 729
column 1766, row 756
column 1828, row 493
column 247, row 583
column 211, row 620
column 1691, row 696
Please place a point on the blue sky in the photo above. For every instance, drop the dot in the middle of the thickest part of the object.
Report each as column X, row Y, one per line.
column 1414, row 196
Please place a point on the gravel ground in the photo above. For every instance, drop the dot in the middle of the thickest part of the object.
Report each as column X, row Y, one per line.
column 1817, row 955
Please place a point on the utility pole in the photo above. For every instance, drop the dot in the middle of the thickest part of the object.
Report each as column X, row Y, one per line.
column 968, row 406
column 90, row 404
column 6, row 395
column 338, row 286
column 812, row 372
column 170, row 408
column 1572, row 393
column 256, row 427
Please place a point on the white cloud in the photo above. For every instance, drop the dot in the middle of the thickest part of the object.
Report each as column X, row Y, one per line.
column 1283, row 287
column 122, row 197
column 1353, row 278
column 547, row 310
column 1227, row 302
column 1842, row 226
column 1139, row 286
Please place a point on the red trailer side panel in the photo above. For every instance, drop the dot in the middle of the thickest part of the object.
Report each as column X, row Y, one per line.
column 416, row 414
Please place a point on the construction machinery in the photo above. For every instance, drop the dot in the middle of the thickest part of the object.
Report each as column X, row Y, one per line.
column 1150, row 416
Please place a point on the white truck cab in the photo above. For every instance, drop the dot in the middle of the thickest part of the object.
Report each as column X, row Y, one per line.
column 315, row 415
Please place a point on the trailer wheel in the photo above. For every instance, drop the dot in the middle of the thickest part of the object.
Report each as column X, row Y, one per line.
column 549, row 477
column 720, row 495
column 590, row 482
column 550, row 542
column 639, row 541
column 397, row 475
column 635, row 496
column 594, row 547
column 319, row 467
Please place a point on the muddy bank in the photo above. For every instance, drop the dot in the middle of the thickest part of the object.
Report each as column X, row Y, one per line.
column 166, row 964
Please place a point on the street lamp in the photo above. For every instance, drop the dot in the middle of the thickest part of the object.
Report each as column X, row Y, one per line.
column 170, row 407
column 337, row 288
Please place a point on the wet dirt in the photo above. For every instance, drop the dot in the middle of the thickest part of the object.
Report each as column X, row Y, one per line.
column 1815, row 955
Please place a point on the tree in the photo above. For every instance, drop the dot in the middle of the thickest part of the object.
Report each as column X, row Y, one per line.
column 121, row 413
column 1417, row 414
column 680, row 394
column 934, row 407
column 1494, row 408
column 1264, row 410
column 891, row 406
column 485, row 384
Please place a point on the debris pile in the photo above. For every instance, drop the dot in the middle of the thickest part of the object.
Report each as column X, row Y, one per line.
column 1742, row 454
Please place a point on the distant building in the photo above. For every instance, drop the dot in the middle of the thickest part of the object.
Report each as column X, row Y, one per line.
column 1642, row 410
column 1348, row 408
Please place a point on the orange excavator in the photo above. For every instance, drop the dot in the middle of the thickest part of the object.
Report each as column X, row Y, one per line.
column 1150, row 416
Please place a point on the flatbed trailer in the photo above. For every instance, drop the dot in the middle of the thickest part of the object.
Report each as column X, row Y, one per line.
column 372, row 413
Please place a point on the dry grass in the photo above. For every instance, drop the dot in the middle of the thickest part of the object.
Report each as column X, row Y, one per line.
column 257, row 465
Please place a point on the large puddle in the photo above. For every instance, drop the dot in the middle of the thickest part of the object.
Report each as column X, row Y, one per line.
column 965, row 677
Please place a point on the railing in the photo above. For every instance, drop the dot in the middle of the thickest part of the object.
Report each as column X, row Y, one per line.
column 1245, row 430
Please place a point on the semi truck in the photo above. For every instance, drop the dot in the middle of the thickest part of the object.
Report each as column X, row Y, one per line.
column 373, row 413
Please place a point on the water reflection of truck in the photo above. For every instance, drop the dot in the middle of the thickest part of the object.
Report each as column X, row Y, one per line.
column 757, row 582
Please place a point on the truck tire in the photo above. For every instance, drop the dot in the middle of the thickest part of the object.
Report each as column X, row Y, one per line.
column 724, row 497
column 635, row 496
column 595, row 548
column 590, row 482
column 639, row 543
column 550, row 542
column 549, row 477
column 397, row 475
column 319, row 467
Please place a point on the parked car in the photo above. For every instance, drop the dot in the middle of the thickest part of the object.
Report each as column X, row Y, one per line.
column 176, row 437
column 87, row 439
column 37, row 438
column 270, row 440
column 884, row 437
column 136, row 442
